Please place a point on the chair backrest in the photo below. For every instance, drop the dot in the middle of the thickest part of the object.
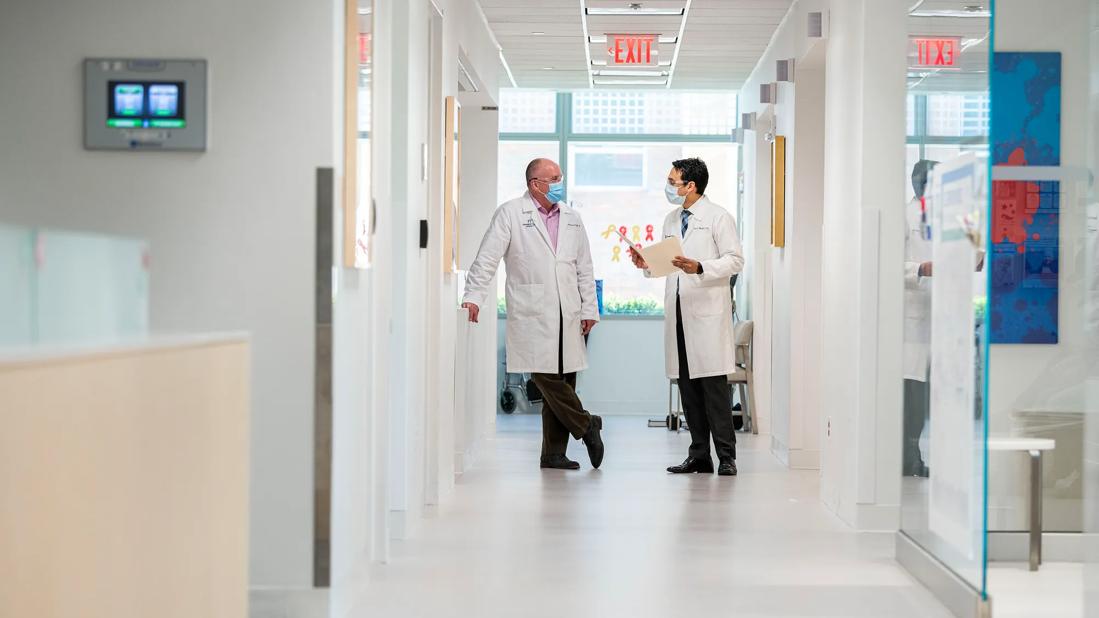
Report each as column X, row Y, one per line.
column 742, row 339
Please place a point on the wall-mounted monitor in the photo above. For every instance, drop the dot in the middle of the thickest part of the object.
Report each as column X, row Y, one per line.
column 132, row 104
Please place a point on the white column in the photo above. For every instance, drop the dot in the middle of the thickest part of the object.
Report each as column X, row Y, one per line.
column 861, row 261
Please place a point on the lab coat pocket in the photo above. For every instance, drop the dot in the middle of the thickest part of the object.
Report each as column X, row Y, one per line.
column 528, row 300
column 707, row 301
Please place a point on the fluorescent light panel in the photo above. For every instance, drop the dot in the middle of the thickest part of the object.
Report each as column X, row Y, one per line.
column 663, row 40
column 605, row 81
column 628, row 73
column 639, row 11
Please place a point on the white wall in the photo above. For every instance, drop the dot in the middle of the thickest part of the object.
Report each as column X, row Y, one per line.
column 231, row 230
column 625, row 373
column 786, row 301
column 861, row 267
column 475, row 414
column 1022, row 376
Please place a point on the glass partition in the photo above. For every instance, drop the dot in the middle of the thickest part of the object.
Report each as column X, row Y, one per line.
column 71, row 287
column 945, row 286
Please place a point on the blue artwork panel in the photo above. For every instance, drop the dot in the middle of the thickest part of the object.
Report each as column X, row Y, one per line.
column 1025, row 227
column 1026, row 108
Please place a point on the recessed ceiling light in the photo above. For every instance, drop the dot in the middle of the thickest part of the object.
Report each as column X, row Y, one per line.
column 547, row 68
column 631, row 10
column 364, row 10
column 537, row 33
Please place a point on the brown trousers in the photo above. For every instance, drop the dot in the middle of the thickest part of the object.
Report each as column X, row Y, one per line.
column 562, row 412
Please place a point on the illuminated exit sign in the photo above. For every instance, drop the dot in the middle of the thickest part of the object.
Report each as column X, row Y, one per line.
column 935, row 52
column 632, row 49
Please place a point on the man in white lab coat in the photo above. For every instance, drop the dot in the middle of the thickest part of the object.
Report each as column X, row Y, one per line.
column 917, row 321
column 550, row 294
column 698, row 336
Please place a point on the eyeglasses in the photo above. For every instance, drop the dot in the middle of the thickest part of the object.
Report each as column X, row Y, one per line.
column 555, row 179
column 673, row 183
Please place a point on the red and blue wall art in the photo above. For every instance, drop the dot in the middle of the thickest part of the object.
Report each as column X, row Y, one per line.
column 1026, row 131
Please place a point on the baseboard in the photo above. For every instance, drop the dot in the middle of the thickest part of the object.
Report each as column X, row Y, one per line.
column 801, row 459
column 625, row 408
column 877, row 517
column 779, row 450
column 961, row 598
column 282, row 602
column 1056, row 547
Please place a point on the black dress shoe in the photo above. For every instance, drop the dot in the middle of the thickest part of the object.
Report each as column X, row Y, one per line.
column 594, row 441
column 693, row 464
column 727, row 467
column 559, row 462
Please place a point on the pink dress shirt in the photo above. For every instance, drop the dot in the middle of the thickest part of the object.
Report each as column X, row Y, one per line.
column 552, row 219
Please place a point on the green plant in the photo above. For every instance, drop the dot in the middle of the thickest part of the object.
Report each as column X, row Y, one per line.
column 631, row 306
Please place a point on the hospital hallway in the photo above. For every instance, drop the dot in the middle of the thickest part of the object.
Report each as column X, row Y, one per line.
column 630, row 540
column 286, row 285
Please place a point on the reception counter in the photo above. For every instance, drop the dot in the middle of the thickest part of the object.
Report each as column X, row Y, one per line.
column 124, row 479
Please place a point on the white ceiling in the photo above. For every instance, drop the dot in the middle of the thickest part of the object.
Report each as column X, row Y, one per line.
column 722, row 39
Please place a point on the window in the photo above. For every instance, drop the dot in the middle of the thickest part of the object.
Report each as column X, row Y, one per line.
column 657, row 112
column 512, row 165
column 641, row 211
column 615, row 149
column 943, row 125
column 528, row 111
column 958, row 115
column 604, row 167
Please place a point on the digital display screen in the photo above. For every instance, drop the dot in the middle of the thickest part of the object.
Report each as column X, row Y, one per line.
column 157, row 105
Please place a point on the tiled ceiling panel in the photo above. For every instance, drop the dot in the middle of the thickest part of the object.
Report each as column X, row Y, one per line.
column 722, row 40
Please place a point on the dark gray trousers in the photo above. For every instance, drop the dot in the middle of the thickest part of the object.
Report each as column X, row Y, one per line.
column 707, row 404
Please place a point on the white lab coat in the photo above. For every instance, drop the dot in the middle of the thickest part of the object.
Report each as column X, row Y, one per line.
column 543, row 287
column 917, row 297
column 704, row 298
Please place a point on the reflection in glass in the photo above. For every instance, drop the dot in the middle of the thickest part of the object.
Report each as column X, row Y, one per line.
column 943, row 464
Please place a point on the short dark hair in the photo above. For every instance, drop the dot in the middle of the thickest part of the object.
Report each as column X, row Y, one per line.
column 920, row 171
column 693, row 170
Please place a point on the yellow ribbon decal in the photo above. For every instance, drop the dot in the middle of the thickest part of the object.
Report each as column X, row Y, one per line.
column 609, row 231
column 617, row 257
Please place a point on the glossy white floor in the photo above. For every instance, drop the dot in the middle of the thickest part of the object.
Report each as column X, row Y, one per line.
column 630, row 540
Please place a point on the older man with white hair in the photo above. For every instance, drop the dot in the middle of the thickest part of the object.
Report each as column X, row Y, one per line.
column 550, row 293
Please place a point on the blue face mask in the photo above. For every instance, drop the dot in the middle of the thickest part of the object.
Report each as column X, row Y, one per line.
column 672, row 193
column 556, row 192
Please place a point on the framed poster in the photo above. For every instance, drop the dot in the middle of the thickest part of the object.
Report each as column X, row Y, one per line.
column 453, row 184
column 778, row 191
column 358, row 205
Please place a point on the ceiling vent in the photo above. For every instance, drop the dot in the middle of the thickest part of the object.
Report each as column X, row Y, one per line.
column 784, row 70
column 768, row 93
column 816, row 25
